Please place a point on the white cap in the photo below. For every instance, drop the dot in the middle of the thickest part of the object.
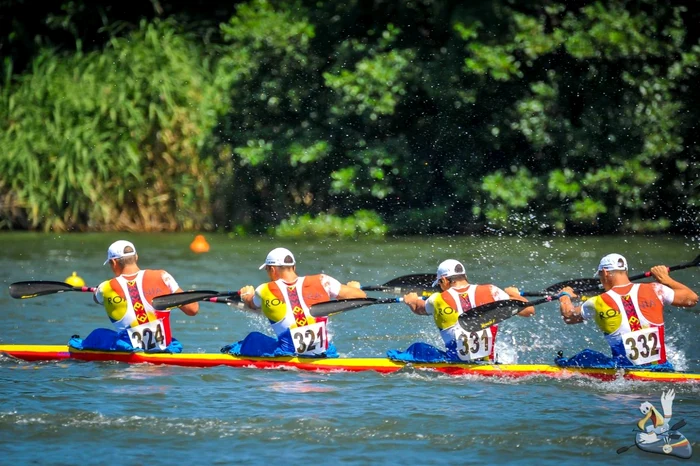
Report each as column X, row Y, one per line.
column 116, row 250
column 280, row 257
column 612, row 262
column 449, row 268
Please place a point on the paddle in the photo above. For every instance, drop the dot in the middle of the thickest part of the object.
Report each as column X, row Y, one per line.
column 675, row 426
column 588, row 285
column 580, row 285
column 31, row 289
column 332, row 307
column 694, row 263
column 486, row 315
column 168, row 301
column 406, row 284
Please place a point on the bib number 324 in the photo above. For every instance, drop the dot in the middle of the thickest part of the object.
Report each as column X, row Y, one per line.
column 148, row 336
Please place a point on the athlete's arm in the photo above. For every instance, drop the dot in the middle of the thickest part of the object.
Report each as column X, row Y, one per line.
column 248, row 295
column 98, row 295
column 514, row 293
column 190, row 309
column 415, row 303
column 350, row 291
column 570, row 313
column 683, row 296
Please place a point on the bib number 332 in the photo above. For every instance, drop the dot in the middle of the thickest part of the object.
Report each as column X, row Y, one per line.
column 310, row 339
column 643, row 346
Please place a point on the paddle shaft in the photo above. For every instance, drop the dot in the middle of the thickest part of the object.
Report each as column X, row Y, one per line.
column 391, row 289
column 172, row 300
column 84, row 289
column 647, row 274
column 592, row 284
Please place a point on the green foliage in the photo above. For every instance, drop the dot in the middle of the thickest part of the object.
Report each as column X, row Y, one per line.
column 438, row 116
column 361, row 223
column 507, row 196
column 600, row 100
column 377, row 83
column 110, row 140
column 294, row 120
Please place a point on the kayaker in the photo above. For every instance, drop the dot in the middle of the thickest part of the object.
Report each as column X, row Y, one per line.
column 127, row 301
column 630, row 316
column 457, row 296
column 285, row 301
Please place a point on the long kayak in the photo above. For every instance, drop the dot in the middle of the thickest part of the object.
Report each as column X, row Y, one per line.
column 382, row 365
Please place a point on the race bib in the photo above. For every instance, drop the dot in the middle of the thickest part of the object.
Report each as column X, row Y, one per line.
column 311, row 340
column 473, row 345
column 642, row 346
column 148, row 336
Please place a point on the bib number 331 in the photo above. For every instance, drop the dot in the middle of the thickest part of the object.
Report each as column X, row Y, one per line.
column 310, row 339
column 474, row 345
column 148, row 336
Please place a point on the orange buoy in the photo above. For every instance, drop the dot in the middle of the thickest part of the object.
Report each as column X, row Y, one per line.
column 199, row 244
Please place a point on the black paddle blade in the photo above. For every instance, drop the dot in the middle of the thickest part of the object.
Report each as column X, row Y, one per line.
column 168, row 301
column 419, row 281
column 580, row 285
column 31, row 289
column 408, row 283
column 484, row 316
column 333, row 307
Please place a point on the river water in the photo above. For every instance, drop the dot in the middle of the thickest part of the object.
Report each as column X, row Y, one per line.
column 99, row 413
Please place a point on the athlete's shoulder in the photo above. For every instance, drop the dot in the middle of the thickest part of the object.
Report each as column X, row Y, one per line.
column 268, row 287
column 109, row 284
column 320, row 277
column 593, row 304
column 656, row 287
column 488, row 289
column 664, row 293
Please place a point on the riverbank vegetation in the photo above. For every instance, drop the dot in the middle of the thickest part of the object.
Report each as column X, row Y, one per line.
column 364, row 117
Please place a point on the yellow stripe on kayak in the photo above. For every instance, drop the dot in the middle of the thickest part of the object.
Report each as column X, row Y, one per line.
column 34, row 348
column 36, row 352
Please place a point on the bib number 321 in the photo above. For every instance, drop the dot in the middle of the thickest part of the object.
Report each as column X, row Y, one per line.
column 148, row 336
column 311, row 340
